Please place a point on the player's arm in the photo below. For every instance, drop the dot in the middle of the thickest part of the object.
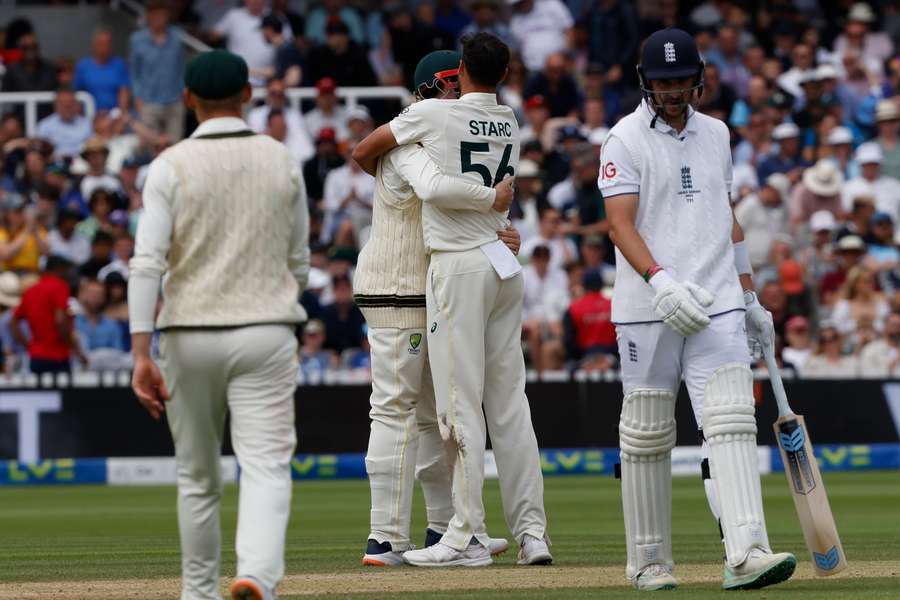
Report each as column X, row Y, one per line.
column 298, row 251
column 154, row 236
column 621, row 211
column 368, row 151
column 741, row 256
column 412, row 125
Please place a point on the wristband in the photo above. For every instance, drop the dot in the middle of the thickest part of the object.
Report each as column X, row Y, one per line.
column 742, row 259
column 651, row 272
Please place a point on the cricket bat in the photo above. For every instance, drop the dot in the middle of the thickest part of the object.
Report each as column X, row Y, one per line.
column 805, row 481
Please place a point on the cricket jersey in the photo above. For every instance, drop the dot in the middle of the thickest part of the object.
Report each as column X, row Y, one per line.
column 473, row 138
column 684, row 211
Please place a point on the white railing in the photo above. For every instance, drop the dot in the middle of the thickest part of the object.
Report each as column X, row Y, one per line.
column 351, row 95
column 31, row 100
column 137, row 11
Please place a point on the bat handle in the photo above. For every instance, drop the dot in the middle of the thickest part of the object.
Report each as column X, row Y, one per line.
column 784, row 408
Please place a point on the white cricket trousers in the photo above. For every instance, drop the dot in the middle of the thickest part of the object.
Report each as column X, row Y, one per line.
column 249, row 372
column 474, row 341
column 404, row 440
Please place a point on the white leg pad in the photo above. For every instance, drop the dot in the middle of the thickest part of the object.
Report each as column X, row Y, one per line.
column 729, row 426
column 646, row 439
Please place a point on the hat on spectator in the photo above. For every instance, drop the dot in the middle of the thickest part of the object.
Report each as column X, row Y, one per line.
column 13, row 201
column 785, row 131
column 216, row 75
column 797, row 323
column 840, row 135
column 886, row 111
column 119, row 217
column 780, row 183
column 781, row 99
column 870, row 152
column 808, row 76
column 861, row 12
column 326, row 134
column 94, row 144
column 535, row 102
column 318, row 279
column 359, row 113
column 527, row 168
column 326, row 85
column 823, row 178
column 314, row 326
column 791, row 274
column 881, row 217
column 822, row 220
column 826, row 71
column 851, row 243
column 10, row 289
column 598, row 136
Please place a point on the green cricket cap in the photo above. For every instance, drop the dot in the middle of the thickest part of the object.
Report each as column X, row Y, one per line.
column 216, row 75
column 435, row 62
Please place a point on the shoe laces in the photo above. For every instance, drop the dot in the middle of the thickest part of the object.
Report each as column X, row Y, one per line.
column 656, row 570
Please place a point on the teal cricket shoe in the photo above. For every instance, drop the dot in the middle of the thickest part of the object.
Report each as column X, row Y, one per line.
column 655, row 577
column 759, row 570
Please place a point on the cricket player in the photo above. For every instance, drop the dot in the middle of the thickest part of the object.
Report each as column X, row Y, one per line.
column 225, row 216
column 474, row 306
column 683, row 306
column 390, row 290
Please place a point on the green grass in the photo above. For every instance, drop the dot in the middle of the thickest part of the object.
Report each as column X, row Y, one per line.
column 69, row 533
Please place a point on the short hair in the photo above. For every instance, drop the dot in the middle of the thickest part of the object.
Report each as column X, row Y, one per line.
column 56, row 264
column 486, row 58
column 275, row 112
column 102, row 237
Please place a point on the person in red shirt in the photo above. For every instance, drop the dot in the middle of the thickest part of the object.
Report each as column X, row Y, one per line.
column 590, row 334
column 45, row 307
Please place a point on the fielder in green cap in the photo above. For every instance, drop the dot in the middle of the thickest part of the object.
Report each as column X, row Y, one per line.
column 225, row 216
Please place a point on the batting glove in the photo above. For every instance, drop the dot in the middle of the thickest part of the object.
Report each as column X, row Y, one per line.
column 680, row 306
column 760, row 327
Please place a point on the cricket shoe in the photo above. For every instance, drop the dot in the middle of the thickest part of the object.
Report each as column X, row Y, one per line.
column 759, row 569
column 382, row 555
column 247, row 587
column 534, row 551
column 495, row 545
column 655, row 577
column 442, row 555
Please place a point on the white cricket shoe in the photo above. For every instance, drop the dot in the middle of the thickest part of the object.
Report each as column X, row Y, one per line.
column 759, row 569
column 534, row 551
column 495, row 545
column 655, row 577
column 383, row 555
column 247, row 587
column 442, row 555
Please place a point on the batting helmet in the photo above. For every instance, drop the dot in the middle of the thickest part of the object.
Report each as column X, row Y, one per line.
column 670, row 54
column 436, row 73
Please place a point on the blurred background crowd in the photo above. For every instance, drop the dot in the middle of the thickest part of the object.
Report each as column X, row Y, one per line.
column 809, row 90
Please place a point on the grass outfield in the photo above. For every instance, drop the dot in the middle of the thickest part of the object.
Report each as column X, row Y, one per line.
column 119, row 537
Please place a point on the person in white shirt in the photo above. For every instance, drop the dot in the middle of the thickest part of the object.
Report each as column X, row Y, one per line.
column 798, row 344
column 880, row 359
column 347, row 201
column 524, row 211
column 562, row 249
column 665, row 177
column 297, row 140
column 763, row 216
column 545, row 300
column 328, row 113
column 885, row 190
column 874, row 47
column 242, row 28
column 66, row 241
column 237, row 259
column 540, row 28
column 475, row 348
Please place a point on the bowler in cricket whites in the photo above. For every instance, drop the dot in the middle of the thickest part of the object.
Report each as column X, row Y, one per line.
column 684, row 307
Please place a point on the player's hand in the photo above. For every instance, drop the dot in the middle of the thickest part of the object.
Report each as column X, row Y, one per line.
column 510, row 237
column 680, row 306
column 760, row 327
column 504, row 197
column 149, row 387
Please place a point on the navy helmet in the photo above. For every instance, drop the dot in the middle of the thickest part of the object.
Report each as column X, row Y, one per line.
column 670, row 54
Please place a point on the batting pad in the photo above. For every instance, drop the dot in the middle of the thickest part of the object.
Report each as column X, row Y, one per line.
column 646, row 439
column 729, row 425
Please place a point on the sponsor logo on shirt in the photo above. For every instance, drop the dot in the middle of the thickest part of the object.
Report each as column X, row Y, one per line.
column 433, row 326
column 609, row 170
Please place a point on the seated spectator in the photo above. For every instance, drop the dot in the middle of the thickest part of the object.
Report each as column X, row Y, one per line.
column 788, row 159
column 527, row 199
column 840, row 145
column 411, row 39
column 486, row 17
column 117, row 306
column 15, row 355
column 96, row 153
column 342, row 319
column 829, row 361
column 360, row 358
column 101, row 255
column 882, row 253
column 45, row 309
column 799, row 343
column 589, row 332
column 104, row 76
column 328, row 113
column 58, row 177
column 885, row 189
column 774, row 300
column 550, row 234
column 880, row 359
column 819, row 190
column 22, row 239
column 340, row 59
column 539, row 29
column 593, row 252
column 874, row 47
column 347, row 201
column 297, row 137
column 66, row 128
column 889, row 279
column 123, row 250
column 849, row 253
column 859, row 299
column 887, row 120
column 289, row 61
column 557, row 87
column 32, row 73
column 537, row 113
column 544, row 302
column 359, row 123
column 66, row 241
column 800, row 298
column 102, row 203
column 95, row 330
column 316, row 169
column 763, row 216
column 241, row 27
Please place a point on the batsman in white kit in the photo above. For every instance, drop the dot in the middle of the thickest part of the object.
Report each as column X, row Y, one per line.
column 226, row 219
column 474, row 306
column 684, row 307
column 389, row 288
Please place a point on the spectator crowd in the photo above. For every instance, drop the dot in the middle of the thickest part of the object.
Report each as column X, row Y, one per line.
column 808, row 89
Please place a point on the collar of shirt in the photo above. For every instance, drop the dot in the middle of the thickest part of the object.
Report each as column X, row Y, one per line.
column 220, row 125
column 481, row 98
column 647, row 114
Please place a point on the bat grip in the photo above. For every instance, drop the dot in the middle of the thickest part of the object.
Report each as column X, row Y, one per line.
column 784, row 409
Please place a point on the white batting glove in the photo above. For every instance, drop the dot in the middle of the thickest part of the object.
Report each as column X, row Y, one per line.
column 760, row 327
column 680, row 306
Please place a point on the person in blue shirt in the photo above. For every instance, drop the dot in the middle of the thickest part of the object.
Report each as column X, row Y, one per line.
column 156, row 60
column 95, row 330
column 104, row 76
column 788, row 160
